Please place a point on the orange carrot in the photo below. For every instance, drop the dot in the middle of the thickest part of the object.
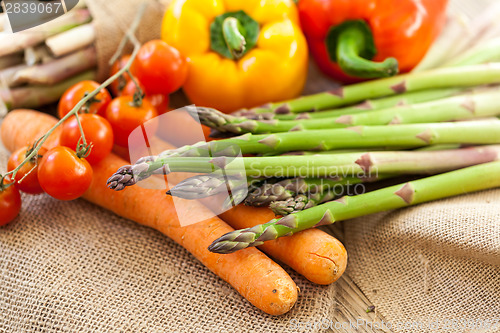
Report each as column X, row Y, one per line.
column 318, row 256
column 256, row 277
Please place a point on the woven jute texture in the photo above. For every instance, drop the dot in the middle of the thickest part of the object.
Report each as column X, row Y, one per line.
column 74, row 267
column 436, row 265
column 112, row 18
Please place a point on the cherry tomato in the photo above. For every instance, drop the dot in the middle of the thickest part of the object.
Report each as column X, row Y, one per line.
column 124, row 117
column 117, row 85
column 160, row 68
column 29, row 184
column 159, row 101
column 96, row 129
column 63, row 175
column 10, row 203
column 75, row 93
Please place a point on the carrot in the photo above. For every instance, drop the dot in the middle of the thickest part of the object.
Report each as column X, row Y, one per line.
column 28, row 130
column 318, row 256
column 256, row 277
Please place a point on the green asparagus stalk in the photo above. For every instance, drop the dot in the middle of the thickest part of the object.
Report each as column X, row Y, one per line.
column 469, row 106
column 472, row 179
column 372, row 104
column 286, row 189
column 35, row 96
column 414, row 135
column 300, row 202
column 204, row 186
column 464, row 76
column 13, row 43
column 59, row 69
column 482, row 53
column 359, row 165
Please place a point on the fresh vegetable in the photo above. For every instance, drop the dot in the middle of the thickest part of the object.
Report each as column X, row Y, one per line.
column 318, row 256
column 455, row 77
column 257, row 278
column 97, row 131
column 10, row 201
column 414, row 135
column 367, row 105
column 359, row 39
column 64, row 175
column 159, row 101
column 160, row 68
column 313, row 253
column 469, row 106
column 237, row 45
column 125, row 114
column 26, row 179
column 37, row 95
column 471, row 179
column 119, row 84
column 73, row 95
column 359, row 165
column 286, row 189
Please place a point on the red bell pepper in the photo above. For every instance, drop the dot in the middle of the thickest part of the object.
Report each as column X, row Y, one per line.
column 353, row 40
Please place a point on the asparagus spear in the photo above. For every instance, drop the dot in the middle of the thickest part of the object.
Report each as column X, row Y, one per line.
column 59, row 69
column 13, row 43
column 71, row 40
column 371, row 104
column 472, row 179
column 463, row 107
column 11, row 60
column 35, row 96
column 300, row 202
column 359, row 165
column 288, row 188
column 34, row 55
column 204, row 186
column 466, row 76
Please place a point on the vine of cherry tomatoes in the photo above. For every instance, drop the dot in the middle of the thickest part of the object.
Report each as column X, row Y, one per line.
column 65, row 172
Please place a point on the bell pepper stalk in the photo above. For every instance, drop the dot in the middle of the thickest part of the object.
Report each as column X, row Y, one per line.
column 358, row 39
column 241, row 54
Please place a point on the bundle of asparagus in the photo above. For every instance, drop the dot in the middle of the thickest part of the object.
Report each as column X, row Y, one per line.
column 304, row 158
column 37, row 65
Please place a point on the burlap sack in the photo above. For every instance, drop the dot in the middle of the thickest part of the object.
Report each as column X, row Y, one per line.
column 74, row 267
column 112, row 18
column 435, row 265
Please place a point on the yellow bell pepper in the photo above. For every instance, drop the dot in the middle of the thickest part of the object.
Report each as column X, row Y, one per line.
column 241, row 53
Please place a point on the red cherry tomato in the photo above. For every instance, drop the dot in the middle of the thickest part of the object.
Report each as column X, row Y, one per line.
column 30, row 183
column 10, row 203
column 124, row 117
column 63, row 175
column 160, row 68
column 159, row 101
column 96, row 129
column 117, row 85
column 75, row 93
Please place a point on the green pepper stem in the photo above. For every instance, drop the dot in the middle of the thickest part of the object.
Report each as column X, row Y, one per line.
column 233, row 35
column 350, row 44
